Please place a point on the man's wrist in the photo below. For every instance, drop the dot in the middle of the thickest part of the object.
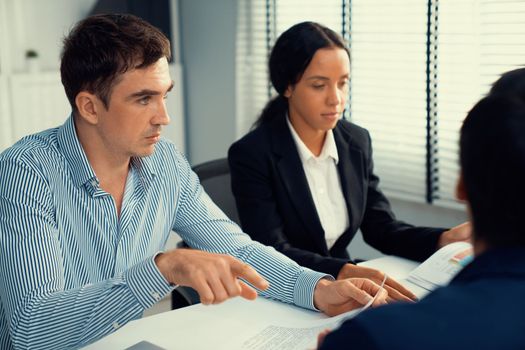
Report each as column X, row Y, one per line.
column 147, row 283
column 319, row 294
column 161, row 263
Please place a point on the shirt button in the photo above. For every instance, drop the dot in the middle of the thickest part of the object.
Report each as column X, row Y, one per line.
column 115, row 325
column 155, row 295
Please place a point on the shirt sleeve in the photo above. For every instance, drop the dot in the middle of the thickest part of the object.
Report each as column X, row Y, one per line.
column 41, row 311
column 202, row 225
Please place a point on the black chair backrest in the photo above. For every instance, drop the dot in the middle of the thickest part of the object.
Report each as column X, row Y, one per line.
column 215, row 178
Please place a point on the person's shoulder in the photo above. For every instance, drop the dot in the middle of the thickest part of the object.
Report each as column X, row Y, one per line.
column 380, row 328
column 352, row 132
column 436, row 319
column 256, row 141
column 254, row 136
column 34, row 148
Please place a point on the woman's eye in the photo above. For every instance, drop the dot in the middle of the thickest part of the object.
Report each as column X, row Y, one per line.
column 318, row 87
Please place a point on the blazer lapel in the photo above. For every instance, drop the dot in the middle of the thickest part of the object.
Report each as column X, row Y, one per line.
column 351, row 172
column 294, row 179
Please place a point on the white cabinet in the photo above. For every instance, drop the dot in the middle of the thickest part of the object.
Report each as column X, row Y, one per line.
column 31, row 102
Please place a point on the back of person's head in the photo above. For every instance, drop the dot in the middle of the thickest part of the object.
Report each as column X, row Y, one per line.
column 492, row 156
column 511, row 83
column 101, row 48
column 292, row 53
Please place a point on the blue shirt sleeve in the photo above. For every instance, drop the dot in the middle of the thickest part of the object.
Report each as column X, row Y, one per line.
column 202, row 225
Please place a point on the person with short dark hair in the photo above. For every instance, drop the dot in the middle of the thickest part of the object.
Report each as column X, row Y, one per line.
column 304, row 179
column 483, row 306
column 87, row 208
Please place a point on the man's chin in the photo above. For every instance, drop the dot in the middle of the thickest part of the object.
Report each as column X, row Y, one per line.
column 147, row 151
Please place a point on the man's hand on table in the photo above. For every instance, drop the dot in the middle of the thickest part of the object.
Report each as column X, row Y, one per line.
column 215, row 277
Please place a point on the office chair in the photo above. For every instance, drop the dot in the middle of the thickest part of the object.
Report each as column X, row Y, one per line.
column 215, row 179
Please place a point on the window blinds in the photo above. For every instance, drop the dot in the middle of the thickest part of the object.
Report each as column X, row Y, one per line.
column 388, row 84
column 478, row 41
column 251, row 57
column 417, row 68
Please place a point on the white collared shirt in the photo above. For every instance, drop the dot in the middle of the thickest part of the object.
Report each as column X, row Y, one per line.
column 325, row 185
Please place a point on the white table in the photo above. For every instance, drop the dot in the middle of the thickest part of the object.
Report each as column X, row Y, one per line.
column 220, row 326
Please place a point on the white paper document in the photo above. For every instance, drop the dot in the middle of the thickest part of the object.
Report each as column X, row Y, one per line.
column 442, row 266
column 436, row 271
column 300, row 335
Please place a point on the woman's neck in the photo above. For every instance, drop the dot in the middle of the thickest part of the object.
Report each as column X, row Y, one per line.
column 313, row 139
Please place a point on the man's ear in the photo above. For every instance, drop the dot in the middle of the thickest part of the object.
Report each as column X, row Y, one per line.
column 88, row 105
column 461, row 191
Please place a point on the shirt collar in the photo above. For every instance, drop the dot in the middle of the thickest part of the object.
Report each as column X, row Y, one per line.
column 72, row 150
column 83, row 173
column 329, row 147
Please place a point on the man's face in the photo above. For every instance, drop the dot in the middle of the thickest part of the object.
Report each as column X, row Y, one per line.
column 132, row 123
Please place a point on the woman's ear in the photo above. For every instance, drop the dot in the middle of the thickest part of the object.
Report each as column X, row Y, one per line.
column 461, row 191
column 87, row 106
column 288, row 91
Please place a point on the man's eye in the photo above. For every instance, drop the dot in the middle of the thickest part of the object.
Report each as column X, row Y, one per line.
column 144, row 100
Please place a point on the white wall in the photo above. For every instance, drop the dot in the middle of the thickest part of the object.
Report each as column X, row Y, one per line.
column 40, row 25
column 208, row 55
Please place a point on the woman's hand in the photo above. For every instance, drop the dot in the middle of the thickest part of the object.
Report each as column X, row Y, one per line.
column 459, row 233
column 395, row 290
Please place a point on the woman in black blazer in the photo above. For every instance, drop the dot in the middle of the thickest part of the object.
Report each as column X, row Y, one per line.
column 300, row 150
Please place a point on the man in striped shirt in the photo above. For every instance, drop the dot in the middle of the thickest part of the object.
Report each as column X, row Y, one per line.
column 86, row 208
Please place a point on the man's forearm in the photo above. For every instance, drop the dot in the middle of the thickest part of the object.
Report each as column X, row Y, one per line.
column 77, row 317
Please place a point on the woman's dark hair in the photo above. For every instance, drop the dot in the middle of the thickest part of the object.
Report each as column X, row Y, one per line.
column 292, row 53
column 101, row 48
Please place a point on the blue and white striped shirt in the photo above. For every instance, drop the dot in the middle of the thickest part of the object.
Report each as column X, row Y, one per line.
column 74, row 271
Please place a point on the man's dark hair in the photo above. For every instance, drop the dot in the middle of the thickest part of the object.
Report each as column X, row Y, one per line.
column 101, row 48
column 511, row 83
column 492, row 156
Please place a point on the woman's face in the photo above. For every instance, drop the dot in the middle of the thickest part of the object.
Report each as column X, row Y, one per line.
column 318, row 99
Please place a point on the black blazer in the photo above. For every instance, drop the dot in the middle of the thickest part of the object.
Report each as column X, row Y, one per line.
column 482, row 308
column 276, row 207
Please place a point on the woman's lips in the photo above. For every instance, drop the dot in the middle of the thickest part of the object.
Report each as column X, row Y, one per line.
column 330, row 116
